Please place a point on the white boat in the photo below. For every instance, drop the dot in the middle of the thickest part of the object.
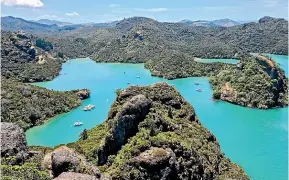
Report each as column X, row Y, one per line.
column 199, row 90
column 77, row 124
column 88, row 107
column 138, row 77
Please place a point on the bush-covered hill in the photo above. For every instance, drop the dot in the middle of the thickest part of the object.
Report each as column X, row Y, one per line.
column 23, row 61
column 153, row 133
column 29, row 105
column 140, row 39
column 256, row 82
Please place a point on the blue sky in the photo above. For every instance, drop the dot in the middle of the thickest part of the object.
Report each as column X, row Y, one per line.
column 85, row 11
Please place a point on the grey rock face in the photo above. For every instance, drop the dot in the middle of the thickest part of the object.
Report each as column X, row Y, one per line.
column 131, row 114
column 13, row 141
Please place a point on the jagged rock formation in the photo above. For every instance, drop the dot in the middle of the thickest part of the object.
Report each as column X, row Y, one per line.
column 152, row 133
column 21, row 60
column 29, row 105
column 131, row 114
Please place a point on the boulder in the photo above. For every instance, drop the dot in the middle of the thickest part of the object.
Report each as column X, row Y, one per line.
column 75, row 176
column 64, row 159
column 13, row 141
column 155, row 156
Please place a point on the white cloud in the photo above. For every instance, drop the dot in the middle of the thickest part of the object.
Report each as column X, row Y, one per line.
column 151, row 9
column 113, row 5
column 72, row 14
column 23, row 3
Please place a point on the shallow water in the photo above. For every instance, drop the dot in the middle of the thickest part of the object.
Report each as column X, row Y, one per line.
column 255, row 139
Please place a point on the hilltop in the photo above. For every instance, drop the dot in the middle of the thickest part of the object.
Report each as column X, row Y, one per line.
column 151, row 133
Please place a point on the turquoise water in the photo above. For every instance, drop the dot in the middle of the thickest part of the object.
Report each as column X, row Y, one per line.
column 255, row 139
column 229, row 61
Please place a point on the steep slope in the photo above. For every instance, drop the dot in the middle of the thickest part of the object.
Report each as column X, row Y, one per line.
column 23, row 61
column 152, row 133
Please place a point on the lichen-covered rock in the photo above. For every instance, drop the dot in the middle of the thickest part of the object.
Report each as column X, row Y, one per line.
column 13, row 141
column 155, row 157
column 64, row 159
column 75, row 176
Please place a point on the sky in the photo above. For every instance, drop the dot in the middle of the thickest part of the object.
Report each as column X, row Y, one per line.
column 85, row 11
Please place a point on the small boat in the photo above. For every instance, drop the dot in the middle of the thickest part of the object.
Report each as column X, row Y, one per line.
column 88, row 107
column 138, row 77
column 77, row 124
column 199, row 90
column 197, row 83
column 128, row 83
column 107, row 100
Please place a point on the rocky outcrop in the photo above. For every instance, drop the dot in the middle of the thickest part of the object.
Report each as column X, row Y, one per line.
column 153, row 133
column 83, row 94
column 13, row 142
column 131, row 114
column 155, row 157
column 75, row 176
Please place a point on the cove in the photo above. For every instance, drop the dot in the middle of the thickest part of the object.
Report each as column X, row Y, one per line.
column 255, row 139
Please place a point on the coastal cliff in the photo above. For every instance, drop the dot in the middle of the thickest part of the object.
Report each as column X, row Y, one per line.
column 152, row 133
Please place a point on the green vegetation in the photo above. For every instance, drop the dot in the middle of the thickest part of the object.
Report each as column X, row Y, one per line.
column 254, row 85
column 45, row 45
column 31, row 169
column 170, row 130
column 22, row 61
column 28, row 105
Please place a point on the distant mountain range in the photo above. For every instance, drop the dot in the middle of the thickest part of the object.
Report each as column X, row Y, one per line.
column 52, row 22
column 44, row 26
column 215, row 23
